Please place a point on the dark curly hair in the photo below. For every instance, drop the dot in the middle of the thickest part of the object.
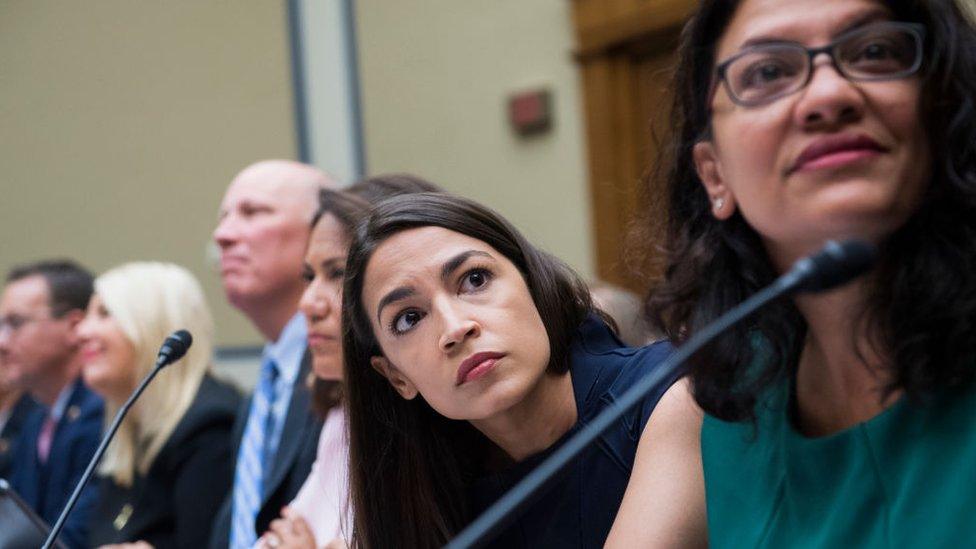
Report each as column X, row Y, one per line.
column 921, row 306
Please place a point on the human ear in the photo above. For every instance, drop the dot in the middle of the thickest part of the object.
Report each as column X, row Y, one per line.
column 400, row 383
column 709, row 169
column 73, row 319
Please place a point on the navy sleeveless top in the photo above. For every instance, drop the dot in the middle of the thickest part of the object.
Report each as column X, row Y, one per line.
column 579, row 509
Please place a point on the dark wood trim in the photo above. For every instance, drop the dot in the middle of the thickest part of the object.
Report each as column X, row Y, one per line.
column 617, row 42
column 596, row 34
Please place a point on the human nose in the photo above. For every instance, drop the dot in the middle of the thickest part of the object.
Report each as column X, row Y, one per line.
column 829, row 99
column 226, row 231
column 315, row 303
column 84, row 330
column 457, row 327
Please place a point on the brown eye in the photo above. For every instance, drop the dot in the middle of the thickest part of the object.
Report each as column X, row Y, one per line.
column 475, row 280
column 405, row 321
column 337, row 273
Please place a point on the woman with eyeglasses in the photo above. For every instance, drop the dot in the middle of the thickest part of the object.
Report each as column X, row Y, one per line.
column 844, row 418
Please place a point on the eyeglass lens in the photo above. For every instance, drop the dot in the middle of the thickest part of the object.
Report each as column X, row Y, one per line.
column 770, row 71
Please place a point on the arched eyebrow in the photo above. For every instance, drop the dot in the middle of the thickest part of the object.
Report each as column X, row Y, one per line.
column 393, row 296
column 331, row 261
column 455, row 262
column 871, row 16
column 447, row 270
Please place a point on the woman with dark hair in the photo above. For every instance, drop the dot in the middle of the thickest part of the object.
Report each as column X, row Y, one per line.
column 320, row 513
column 380, row 187
column 470, row 356
column 836, row 419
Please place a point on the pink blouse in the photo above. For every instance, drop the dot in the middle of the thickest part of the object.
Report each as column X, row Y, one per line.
column 324, row 498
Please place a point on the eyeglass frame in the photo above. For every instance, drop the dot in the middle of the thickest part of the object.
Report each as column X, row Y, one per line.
column 916, row 29
column 15, row 322
column 24, row 320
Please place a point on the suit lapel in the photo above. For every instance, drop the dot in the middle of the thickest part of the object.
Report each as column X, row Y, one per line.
column 297, row 419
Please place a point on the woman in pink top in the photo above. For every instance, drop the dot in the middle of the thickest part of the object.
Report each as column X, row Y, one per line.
column 320, row 515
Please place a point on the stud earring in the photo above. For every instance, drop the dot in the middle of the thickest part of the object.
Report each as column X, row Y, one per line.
column 719, row 202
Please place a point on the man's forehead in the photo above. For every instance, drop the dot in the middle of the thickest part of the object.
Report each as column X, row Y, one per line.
column 27, row 293
column 267, row 190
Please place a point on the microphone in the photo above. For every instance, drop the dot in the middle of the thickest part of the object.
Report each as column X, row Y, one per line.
column 835, row 264
column 173, row 349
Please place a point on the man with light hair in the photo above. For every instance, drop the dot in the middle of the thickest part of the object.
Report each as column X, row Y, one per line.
column 40, row 309
column 262, row 231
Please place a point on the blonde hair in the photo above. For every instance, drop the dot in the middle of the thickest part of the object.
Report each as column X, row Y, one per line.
column 149, row 301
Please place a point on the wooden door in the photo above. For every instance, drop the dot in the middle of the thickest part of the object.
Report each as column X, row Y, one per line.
column 625, row 53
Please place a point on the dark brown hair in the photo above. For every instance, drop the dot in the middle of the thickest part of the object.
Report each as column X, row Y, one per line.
column 923, row 297
column 349, row 207
column 380, row 187
column 348, row 210
column 411, row 466
column 70, row 286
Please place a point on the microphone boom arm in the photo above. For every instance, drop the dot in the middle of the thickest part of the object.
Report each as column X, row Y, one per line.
column 174, row 347
column 97, row 457
column 835, row 264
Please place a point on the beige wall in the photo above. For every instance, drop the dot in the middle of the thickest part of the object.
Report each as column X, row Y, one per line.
column 435, row 75
column 970, row 7
column 121, row 123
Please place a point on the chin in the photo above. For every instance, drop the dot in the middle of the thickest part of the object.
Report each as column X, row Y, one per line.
column 495, row 399
column 327, row 370
column 96, row 384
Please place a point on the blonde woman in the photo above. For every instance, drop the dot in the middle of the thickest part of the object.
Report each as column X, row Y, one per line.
column 170, row 464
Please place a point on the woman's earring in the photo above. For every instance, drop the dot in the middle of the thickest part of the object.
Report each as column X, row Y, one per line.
column 719, row 202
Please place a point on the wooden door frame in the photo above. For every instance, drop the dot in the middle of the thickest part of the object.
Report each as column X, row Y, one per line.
column 607, row 34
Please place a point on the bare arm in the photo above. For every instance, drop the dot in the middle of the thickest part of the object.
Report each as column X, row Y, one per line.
column 664, row 506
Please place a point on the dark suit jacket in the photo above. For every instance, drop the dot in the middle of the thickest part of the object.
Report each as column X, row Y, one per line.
column 174, row 503
column 292, row 462
column 47, row 487
column 10, row 436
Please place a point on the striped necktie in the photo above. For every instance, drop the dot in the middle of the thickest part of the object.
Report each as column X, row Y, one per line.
column 46, row 437
column 253, row 459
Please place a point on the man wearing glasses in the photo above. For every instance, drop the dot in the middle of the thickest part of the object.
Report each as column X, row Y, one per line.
column 40, row 309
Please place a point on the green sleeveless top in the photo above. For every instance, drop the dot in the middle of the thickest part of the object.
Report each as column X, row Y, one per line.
column 905, row 478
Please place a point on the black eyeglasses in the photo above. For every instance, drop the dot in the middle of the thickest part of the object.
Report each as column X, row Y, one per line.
column 880, row 51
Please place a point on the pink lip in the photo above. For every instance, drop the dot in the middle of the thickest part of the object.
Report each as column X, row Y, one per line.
column 833, row 151
column 87, row 354
column 476, row 366
column 320, row 338
column 232, row 261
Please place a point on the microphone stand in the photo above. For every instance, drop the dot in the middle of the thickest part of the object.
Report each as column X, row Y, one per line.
column 827, row 269
column 160, row 363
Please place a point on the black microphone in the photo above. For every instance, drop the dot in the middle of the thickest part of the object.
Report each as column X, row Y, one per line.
column 835, row 264
column 173, row 348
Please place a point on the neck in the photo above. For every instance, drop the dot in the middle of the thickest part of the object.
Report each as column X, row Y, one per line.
column 269, row 316
column 9, row 398
column 59, row 377
column 535, row 423
column 841, row 376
